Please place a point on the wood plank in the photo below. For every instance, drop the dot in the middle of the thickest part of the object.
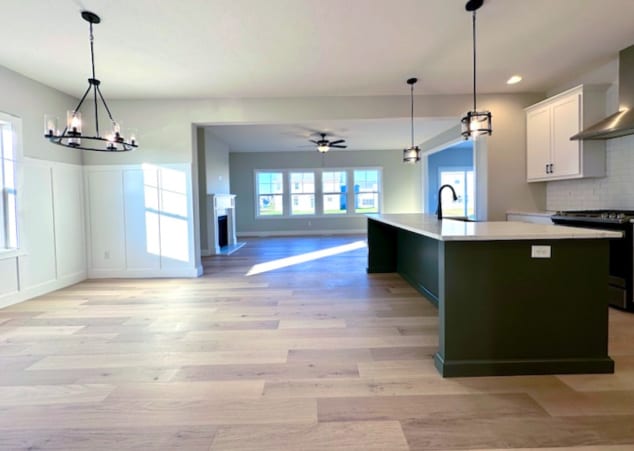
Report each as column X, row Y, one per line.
column 53, row 394
column 436, row 407
column 168, row 359
column 352, row 436
column 164, row 438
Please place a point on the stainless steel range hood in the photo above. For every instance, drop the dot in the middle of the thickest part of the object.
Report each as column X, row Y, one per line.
column 620, row 123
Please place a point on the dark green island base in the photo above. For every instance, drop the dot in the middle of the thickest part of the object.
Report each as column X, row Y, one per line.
column 502, row 312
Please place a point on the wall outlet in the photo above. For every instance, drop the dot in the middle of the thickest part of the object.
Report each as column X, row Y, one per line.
column 106, row 255
column 540, row 251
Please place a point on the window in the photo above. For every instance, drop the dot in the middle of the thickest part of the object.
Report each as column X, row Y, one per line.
column 270, row 193
column 8, row 200
column 462, row 181
column 317, row 192
column 302, row 193
column 334, row 189
column 366, row 191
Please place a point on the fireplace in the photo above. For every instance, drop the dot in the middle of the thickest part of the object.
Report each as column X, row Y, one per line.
column 223, row 231
column 221, row 225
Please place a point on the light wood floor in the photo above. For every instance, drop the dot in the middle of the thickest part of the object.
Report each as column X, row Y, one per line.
column 312, row 356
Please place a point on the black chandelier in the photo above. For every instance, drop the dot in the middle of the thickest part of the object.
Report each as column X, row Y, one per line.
column 72, row 135
column 475, row 123
column 412, row 153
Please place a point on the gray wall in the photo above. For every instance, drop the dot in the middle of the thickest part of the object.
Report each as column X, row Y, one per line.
column 401, row 187
column 217, row 164
column 30, row 100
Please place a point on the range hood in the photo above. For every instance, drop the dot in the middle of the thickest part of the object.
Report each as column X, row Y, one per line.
column 622, row 122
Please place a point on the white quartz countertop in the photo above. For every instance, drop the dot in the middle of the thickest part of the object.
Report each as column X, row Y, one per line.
column 452, row 230
column 531, row 213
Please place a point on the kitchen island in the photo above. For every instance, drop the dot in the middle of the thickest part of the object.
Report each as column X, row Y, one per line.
column 513, row 298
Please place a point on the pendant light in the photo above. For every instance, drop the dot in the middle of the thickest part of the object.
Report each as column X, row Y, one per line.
column 475, row 123
column 412, row 153
column 72, row 136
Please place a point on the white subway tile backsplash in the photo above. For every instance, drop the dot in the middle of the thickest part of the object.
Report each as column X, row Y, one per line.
column 616, row 190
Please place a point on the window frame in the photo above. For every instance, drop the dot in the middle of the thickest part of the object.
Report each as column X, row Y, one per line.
column 258, row 194
column 14, row 125
column 318, row 193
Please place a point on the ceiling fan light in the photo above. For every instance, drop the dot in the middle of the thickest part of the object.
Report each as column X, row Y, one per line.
column 322, row 148
column 411, row 155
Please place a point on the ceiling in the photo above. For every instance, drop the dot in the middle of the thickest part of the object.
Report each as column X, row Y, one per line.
column 291, row 48
column 367, row 134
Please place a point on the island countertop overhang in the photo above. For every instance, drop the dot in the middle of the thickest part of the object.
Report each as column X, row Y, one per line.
column 453, row 230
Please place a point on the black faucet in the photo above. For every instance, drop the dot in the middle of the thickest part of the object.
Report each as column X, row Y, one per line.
column 455, row 198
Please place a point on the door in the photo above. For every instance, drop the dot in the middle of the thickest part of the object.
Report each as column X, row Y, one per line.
column 566, row 122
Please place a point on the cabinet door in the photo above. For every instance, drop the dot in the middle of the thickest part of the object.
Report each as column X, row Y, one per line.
column 537, row 143
column 566, row 121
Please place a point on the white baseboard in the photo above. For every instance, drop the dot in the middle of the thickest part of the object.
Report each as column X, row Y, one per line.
column 303, row 233
column 41, row 289
column 144, row 273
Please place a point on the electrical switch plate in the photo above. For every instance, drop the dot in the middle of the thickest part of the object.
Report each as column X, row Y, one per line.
column 540, row 251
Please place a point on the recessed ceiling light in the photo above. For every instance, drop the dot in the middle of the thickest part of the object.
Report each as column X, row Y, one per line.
column 514, row 79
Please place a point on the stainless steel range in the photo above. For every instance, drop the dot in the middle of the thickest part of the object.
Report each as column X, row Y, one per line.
column 621, row 278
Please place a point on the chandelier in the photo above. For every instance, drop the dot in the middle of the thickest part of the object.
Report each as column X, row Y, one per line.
column 412, row 153
column 475, row 123
column 72, row 136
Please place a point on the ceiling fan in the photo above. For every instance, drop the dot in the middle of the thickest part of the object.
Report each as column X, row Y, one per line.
column 324, row 145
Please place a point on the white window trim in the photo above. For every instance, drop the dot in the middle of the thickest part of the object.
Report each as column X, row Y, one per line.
column 16, row 127
column 286, row 195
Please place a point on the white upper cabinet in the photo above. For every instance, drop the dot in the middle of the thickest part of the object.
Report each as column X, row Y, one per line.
column 550, row 154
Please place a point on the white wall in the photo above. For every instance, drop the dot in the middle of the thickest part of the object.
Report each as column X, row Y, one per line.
column 140, row 221
column 52, row 238
column 615, row 191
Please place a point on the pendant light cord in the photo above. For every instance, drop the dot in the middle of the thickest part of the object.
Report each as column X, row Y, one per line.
column 474, row 60
column 412, row 115
column 95, row 86
column 92, row 51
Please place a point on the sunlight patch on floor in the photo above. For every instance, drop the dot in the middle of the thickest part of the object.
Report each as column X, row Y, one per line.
column 303, row 258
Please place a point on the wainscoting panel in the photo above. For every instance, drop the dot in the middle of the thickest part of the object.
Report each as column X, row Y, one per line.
column 37, row 225
column 143, row 247
column 105, row 199
column 52, row 250
column 70, row 242
column 141, row 221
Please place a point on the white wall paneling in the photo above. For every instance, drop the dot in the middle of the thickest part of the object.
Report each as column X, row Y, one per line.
column 37, row 238
column 106, row 220
column 142, row 249
column 141, row 221
column 51, row 232
column 70, row 242
column 8, row 278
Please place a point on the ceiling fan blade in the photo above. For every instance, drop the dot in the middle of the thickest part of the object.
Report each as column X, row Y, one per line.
column 338, row 146
column 337, row 141
column 313, row 141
